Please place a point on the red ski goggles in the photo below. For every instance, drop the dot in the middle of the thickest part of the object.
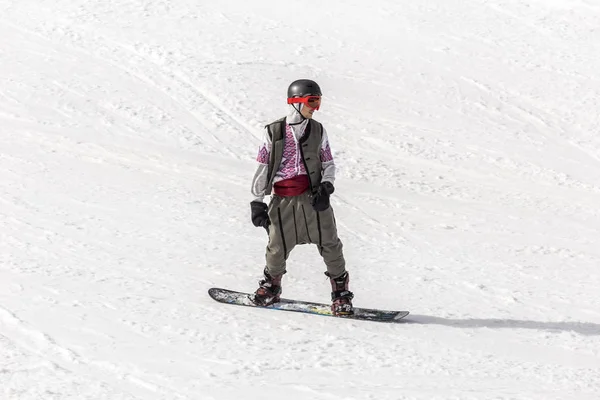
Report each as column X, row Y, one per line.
column 311, row 101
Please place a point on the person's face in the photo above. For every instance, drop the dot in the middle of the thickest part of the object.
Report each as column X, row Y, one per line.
column 309, row 107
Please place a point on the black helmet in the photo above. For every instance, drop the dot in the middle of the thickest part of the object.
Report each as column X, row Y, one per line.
column 302, row 88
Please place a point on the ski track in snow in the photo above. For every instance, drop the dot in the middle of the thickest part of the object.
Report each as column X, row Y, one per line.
column 468, row 186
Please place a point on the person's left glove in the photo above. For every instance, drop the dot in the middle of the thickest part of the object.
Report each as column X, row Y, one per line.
column 320, row 201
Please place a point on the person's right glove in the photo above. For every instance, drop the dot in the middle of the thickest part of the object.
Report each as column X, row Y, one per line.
column 260, row 214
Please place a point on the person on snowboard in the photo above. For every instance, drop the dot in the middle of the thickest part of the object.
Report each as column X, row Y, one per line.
column 296, row 167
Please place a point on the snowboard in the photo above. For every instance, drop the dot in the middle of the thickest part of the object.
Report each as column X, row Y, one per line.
column 307, row 307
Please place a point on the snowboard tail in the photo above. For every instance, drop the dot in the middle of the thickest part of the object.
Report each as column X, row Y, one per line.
column 244, row 299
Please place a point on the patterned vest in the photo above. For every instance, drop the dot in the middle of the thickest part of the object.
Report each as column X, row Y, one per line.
column 309, row 147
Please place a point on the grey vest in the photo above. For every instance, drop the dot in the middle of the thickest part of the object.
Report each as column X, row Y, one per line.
column 310, row 148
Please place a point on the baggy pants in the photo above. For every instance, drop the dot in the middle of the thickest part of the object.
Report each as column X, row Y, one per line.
column 293, row 222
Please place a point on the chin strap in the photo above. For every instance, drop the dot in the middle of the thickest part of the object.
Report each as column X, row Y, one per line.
column 301, row 116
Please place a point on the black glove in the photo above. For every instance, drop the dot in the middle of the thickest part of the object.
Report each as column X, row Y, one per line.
column 260, row 214
column 320, row 201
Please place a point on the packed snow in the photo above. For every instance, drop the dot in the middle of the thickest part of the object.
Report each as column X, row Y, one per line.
column 466, row 138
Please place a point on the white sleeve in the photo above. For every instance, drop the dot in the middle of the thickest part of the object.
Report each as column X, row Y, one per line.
column 327, row 162
column 259, row 182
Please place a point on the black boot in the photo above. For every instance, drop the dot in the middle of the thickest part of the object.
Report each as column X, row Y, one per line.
column 269, row 290
column 341, row 297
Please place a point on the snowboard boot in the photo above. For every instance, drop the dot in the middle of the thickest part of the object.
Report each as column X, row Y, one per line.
column 341, row 297
column 269, row 290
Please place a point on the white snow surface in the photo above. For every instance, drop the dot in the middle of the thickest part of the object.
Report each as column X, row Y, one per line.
column 466, row 135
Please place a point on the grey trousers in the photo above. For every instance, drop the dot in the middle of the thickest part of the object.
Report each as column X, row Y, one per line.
column 293, row 222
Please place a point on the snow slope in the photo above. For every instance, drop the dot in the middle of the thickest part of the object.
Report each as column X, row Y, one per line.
column 466, row 137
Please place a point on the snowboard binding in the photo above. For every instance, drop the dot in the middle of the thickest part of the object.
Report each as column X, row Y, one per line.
column 341, row 297
column 269, row 290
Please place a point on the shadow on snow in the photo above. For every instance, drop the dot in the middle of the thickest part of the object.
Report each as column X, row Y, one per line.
column 583, row 328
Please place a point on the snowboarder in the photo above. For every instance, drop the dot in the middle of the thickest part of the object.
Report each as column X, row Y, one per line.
column 297, row 169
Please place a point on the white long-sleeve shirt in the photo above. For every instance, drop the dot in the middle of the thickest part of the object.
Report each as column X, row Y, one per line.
column 290, row 168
